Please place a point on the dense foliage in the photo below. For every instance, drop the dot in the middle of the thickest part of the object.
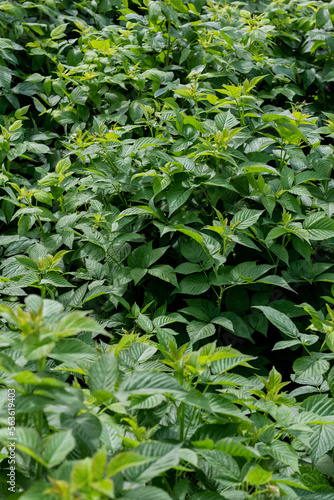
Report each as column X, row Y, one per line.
column 167, row 249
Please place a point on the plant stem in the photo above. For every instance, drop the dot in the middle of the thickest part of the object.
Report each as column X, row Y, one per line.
column 182, row 416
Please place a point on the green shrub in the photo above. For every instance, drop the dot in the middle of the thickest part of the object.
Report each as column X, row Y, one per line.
column 167, row 249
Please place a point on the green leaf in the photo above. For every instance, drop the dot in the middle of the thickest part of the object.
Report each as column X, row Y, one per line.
column 5, row 77
column 226, row 120
column 259, row 144
column 308, row 367
column 258, row 476
column 277, row 117
column 28, row 263
column 275, row 232
column 198, row 330
column 63, row 165
column 41, row 212
column 141, row 210
column 226, row 361
column 321, row 440
column 246, row 218
column 281, row 252
column 79, row 96
column 147, row 492
column 57, row 447
column 28, row 441
column 313, row 479
column 58, row 32
column 286, row 344
column 176, row 197
column 137, row 274
column 319, row 227
column 195, row 284
column 145, row 323
column 165, row 273
column 150, row 382
column 43, row 197
column 105, row 486
column 284, row 453
column 76, row 322
column 103, row 375
column 236, row 449
column 67, row 350
column 55, row 279
column 251, row 167
column 330, row 380
column 78, row 296
column 190, row 232
column 322, row 17
column 287, row 177
column 144, row 256
column 226, row 467
column 36, row 491
column 159, row 465
column 86, row 427
column 280, row 320
column 124, row 461
column 276, row 281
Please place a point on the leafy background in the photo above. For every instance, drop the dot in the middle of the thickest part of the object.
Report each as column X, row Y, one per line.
column 167, row 249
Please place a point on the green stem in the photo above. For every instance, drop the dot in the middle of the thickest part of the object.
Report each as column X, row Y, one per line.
column 282, row 162
column 168, row 45
column 308, row 352
column 61, row 203
column 189, row 423
column 41, row 227
column 220, row 297
column 167, row 485
column 182, row 416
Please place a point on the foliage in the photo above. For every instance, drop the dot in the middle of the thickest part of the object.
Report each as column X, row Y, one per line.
column 167, row 249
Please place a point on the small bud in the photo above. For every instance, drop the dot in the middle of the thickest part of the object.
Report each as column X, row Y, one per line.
column 274, row 490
